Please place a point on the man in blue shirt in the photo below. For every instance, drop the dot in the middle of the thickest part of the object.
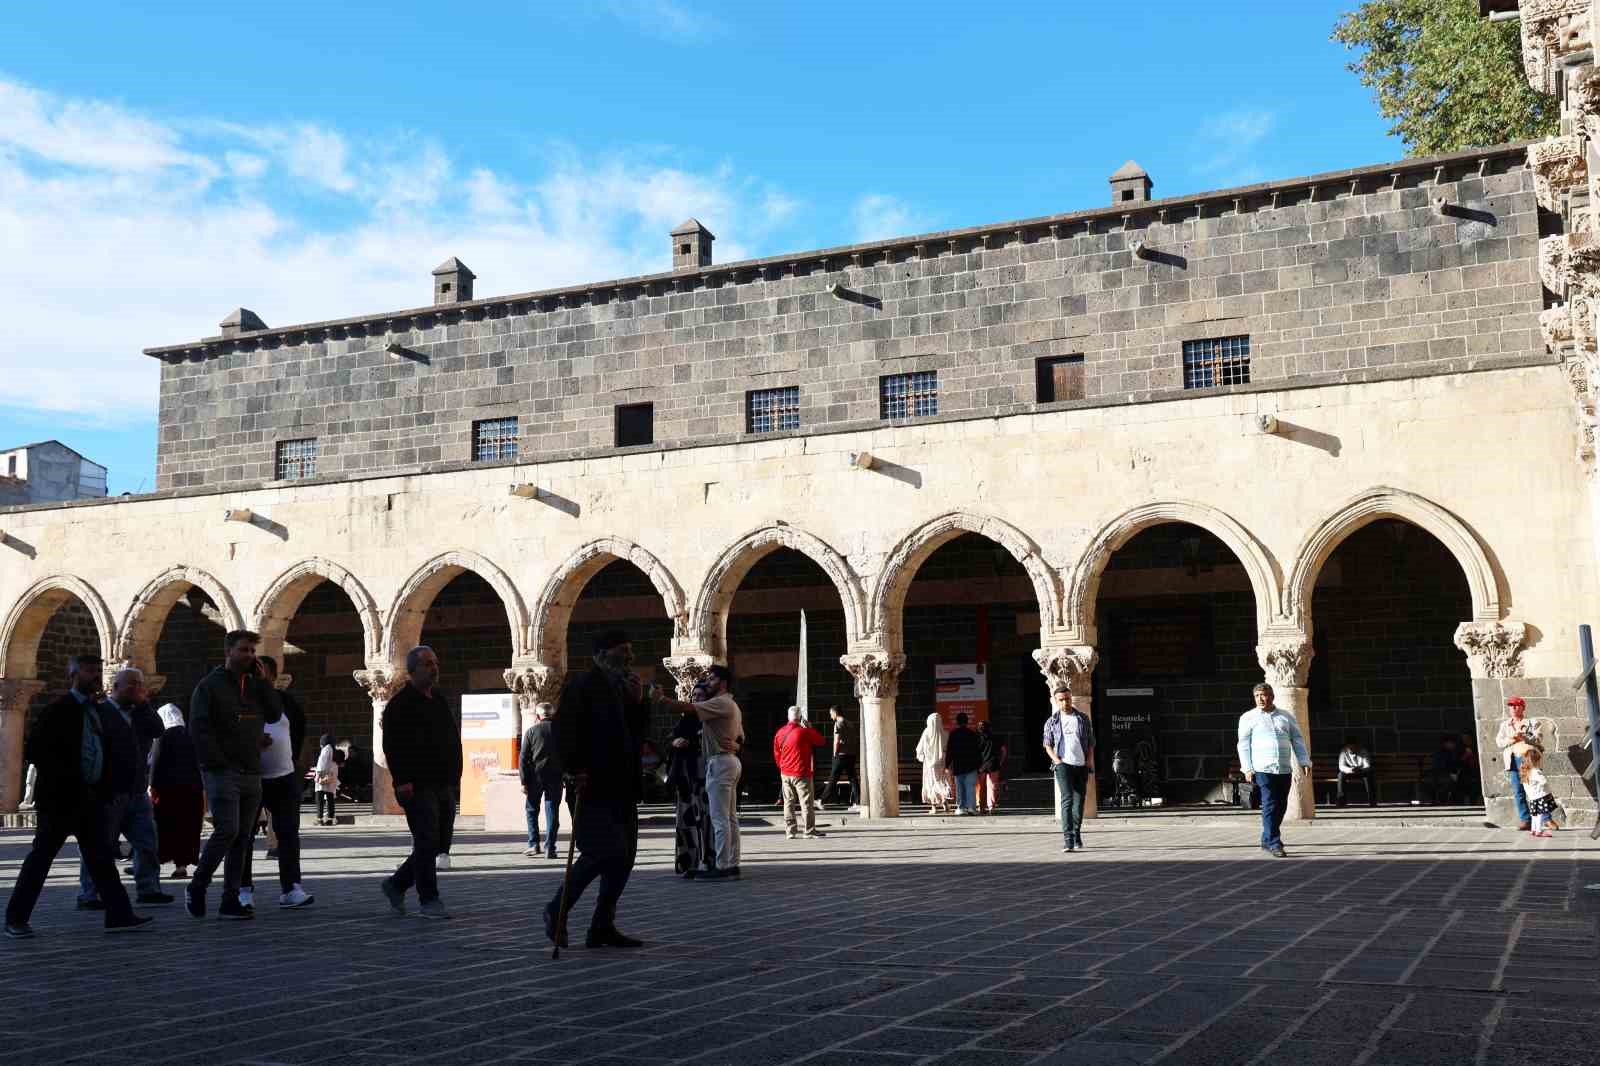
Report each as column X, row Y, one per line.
column 1271, row 747
column 1069, row 741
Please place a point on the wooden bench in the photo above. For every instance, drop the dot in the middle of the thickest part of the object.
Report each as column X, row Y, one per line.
column 1390, row 768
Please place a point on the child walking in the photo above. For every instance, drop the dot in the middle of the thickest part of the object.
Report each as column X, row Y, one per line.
column 1540, row 802
column 327, row 779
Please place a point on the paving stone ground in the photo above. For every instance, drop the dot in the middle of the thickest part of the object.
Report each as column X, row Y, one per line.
column 975, row 942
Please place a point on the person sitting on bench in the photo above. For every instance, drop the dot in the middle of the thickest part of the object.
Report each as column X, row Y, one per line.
column 1356, row 764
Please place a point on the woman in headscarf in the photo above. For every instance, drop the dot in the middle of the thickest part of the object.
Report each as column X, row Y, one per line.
column 686, row 780
column 177, row 793
column 936, row 789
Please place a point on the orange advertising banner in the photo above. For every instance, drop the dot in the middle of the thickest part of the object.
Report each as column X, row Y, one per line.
column 959, row 687
column 488, row 745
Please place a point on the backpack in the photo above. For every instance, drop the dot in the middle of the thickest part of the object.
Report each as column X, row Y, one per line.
column 92, row 754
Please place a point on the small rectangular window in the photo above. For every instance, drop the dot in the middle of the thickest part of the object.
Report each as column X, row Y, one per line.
column 1059, row 377
column 296, row 459
column 908, row 395
column 11, row 465
column 494, row 438
column 1216, row 361
column 770, row 410
column 635, row 424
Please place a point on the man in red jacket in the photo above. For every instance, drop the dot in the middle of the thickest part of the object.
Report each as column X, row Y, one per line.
column 791, row 750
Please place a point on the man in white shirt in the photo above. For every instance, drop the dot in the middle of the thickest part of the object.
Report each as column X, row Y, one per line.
column 721, row 734
column 1357, row 764
column 1271, row 751
column 1069, row 742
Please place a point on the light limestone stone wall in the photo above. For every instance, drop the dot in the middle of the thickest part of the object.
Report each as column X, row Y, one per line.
column 1483, row 460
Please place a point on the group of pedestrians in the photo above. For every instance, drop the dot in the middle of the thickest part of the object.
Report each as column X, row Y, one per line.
column 960, row 769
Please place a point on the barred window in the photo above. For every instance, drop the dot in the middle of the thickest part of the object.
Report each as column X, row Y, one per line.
column 908, row 395
column 1216, row 361
column 297, row 459
column 636, row 424
column 769, row 410
column 494, row 438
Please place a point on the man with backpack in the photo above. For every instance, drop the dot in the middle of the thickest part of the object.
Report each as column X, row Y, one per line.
column 67, row 744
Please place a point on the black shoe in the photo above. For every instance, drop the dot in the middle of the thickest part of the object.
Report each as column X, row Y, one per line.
column 550, row 929
column 1070, row 845
column 128, row 924
column 730, row 874
column 272, row 853
column 19, row 932
column 1278, row 852
column 91, row 905
column 155, row 899
column 610, row 938
column 127, row 871
column 551, row 855
column 231, row 908
column 194, row 900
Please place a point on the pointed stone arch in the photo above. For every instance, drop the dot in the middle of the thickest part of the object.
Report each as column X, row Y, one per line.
column 404, row 629
column 1484, row 579
column 553, row 610
column 277, row 606
column 142, row 625
column 1084, row 587
column 708, row 623
column 912, row 550
column 26, row 622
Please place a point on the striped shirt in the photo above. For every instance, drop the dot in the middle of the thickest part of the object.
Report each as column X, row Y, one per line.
column 1270, row 742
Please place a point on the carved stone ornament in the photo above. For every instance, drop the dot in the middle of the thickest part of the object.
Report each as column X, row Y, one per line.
column 1493, row 648
column 1583, row 266
column 1071, row 665
column 1583, row 334
column 877, row 675
column 1553, row 264
column 1579, row 376
column 15, row 695
column 1285, row 660
column 533, row 684
column 1558, row 166
column 1551, row 31
column 1556, row 326
column 687, row 670
column 1584, row 98
column 381, row 680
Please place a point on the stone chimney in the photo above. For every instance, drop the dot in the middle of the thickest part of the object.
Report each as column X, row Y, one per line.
column 243, row 320
column 691, row 246
column 452, row 282
column 1130, row 184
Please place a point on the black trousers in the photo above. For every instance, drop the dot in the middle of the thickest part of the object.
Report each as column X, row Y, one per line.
column 280, row 798
column 612, row 871
column 842, row 764
column 52, row 830
column 1366, row 777
column 431, row 816
column 325, row 802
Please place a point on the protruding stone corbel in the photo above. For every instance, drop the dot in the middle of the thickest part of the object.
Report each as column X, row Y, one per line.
column 1558, row 166
column 1493, row 649
column 1285, row 659
column 1553, row 263
column 1069, row 664
column 686, row 670
column 877, row 674
column 1555, row 324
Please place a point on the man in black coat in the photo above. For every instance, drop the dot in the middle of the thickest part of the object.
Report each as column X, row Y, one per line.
column 131, row 727
column 962, row 757
column 71, row 801
column 539, row 766
column 600, row 724
column 422, row 745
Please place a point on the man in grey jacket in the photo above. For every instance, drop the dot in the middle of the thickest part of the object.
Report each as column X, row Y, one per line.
column 225, row 718
column 540, row 770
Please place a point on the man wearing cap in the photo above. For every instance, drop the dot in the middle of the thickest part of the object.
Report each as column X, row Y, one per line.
column 1516, row 734
column 600, row 723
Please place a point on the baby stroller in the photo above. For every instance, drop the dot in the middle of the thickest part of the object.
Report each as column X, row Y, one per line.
column 1124, row 770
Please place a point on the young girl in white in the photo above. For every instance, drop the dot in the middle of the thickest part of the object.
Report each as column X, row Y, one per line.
column 1540, row 802
column 327, row 779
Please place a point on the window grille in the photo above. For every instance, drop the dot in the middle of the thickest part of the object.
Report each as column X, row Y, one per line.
column 297, row 459
column 770, row 410
column 494, row 438
column 908, row 395
column 1216, row 361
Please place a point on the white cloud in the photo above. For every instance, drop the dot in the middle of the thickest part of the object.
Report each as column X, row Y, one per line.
column 1228, row 146
column 125, row 230
column 876, row 217
column 670, row 20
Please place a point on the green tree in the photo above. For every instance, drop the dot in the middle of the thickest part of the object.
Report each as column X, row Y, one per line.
column 1449, row 78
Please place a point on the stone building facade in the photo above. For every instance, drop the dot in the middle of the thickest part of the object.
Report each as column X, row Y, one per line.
column 1211, row 417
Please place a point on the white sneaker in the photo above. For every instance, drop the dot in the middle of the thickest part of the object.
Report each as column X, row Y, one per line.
column 527, row 853
column 296, row 897
column 247, row 897
column 442, row 861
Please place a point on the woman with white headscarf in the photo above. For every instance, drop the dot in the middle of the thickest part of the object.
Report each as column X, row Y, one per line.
column 177, row 792
column 936, row 788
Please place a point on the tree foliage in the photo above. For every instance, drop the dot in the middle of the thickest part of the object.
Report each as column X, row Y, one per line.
column 1449, row 78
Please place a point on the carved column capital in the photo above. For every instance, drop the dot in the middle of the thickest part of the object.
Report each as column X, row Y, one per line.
column 17, row 693
column 1493, row 649
column 1285, row 659
column 687, row 670
column 534, row 683
column 381, row 680
column 1068, row 664
column 1558, row 167
column 877, row 674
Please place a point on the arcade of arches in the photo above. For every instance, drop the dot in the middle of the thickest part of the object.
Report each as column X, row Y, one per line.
column 1160, row 630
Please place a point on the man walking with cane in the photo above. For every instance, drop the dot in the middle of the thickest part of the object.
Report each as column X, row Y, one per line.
column 1271, row 751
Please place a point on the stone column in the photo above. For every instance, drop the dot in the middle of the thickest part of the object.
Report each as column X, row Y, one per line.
column 1286, row 659
column 15, row 696
column 1072, row 665
column 532, row 682
column 381, row 680
column 877, row 677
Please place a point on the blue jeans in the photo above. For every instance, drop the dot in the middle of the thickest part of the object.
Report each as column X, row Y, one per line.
column 1274, row 790
column 550, row 799
column 1073, row 783
column 967, row 791
column 1518, row 797
column 135, row 818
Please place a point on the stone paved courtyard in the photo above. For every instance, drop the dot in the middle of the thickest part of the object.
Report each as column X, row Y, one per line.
column 974, row 942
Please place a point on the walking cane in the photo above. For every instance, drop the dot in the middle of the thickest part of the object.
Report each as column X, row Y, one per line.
column 566, row 879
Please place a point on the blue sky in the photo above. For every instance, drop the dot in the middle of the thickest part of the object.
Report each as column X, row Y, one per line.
column 316, row 160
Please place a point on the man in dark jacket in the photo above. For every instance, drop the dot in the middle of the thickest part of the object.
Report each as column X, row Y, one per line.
column 963, row 755
column 225, row 718
column 130, row 728
column 601, row 719
column 540, row 769
column 422, row 745
column 70, row 803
